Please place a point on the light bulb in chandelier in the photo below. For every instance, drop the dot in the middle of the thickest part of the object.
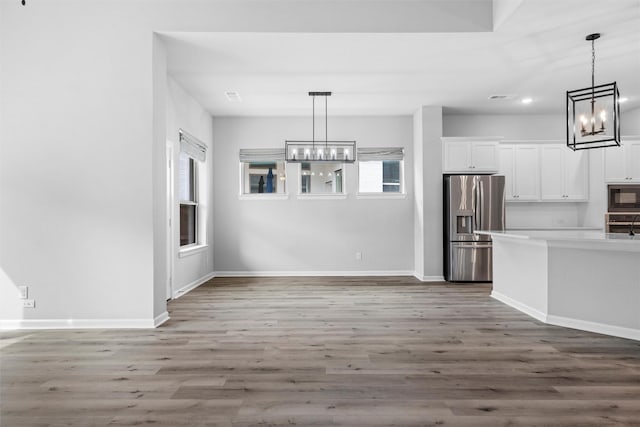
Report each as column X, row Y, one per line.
column 594, row 125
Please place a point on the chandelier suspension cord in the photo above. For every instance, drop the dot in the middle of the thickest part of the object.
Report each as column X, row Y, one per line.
column 593, row 84
column 313, row 121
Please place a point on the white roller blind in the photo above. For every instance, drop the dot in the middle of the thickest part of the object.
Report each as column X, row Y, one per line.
column 261, row 154
column 192, row 146
column 380, row 153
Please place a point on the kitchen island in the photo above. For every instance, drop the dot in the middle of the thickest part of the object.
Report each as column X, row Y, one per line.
column 581, row 279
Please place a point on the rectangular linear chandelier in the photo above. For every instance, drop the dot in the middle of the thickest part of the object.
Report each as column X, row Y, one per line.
column 318, row 150
column 590, row 129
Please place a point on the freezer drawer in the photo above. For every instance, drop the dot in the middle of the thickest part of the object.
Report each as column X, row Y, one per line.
column 470, row 262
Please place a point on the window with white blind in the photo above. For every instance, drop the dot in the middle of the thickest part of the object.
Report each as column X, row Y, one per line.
column 381, row 170
column 263, row 172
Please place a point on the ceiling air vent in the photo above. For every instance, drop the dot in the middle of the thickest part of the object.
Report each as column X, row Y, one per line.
column 233, row 96
column 500, row 97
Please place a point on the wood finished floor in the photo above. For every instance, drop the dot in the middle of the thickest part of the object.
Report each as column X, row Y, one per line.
column 323, row 351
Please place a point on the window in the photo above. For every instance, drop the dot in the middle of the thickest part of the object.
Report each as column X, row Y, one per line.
column 263, row 171
column 263, row 177
column 187, row 180
column 321, row 178
column 380, row 170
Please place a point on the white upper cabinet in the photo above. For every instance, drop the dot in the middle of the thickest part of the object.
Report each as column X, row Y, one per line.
column 563, row 173
column 622, row 164
column 520, row 165
column 469, row 155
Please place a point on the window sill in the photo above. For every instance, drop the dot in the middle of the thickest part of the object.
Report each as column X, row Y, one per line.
column 263, row 196
column 191, row 250
column 326, row 196
column 381, row 195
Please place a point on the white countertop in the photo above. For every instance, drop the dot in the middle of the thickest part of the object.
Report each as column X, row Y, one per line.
column 566, row 235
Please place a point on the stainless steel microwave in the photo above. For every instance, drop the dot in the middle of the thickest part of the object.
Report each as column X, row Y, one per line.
column 624, row 198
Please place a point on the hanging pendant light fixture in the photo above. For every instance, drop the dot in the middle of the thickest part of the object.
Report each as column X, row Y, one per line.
column 593, row 113
column 318, row 150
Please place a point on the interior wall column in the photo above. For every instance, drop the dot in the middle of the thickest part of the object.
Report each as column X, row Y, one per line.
column 427, row 148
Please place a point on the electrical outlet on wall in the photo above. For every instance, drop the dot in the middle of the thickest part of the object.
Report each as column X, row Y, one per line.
column 359, row 256
column 23, row 291
column 29, row 303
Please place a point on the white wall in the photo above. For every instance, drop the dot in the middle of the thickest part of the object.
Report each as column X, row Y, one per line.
column 630, row 122
column 184, row 112
column 418, row 194
column 160, row 185
column 296, row 235
column 76, row 197
column 510, row 126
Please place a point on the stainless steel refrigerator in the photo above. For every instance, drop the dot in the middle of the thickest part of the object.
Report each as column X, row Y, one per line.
column 471, row 202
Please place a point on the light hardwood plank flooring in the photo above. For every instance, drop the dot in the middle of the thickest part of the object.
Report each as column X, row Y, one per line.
column 323, row 351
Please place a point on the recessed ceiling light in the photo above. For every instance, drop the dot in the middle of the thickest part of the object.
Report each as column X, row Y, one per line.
column 526, row 100
column 623, row 99
column 233, row 96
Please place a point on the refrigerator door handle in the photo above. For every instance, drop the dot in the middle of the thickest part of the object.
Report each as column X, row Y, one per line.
column 474, row 204
column 480, row 202
column 483, row 245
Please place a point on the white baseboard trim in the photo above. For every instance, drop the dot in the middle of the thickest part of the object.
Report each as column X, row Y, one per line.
column 313, row 273
column 567, row 322
column 191, row 286
column 536, row 314
column 78, row 323
column 160, row 319
column 428, row 278
column 599, row 328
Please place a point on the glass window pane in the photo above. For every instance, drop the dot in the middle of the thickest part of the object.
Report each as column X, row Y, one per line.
column 321, row 178
column 187, row 224
column 186, row 178
column 391, row 171
column 370, row 177
column 263, row 177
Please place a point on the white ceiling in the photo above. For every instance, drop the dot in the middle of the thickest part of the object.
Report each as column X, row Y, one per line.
column 537, row 50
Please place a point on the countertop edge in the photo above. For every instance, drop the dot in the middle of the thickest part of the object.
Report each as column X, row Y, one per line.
column 594, row 237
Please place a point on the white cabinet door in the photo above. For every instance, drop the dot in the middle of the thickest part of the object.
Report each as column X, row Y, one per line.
column 457, row 156
column 575, row 174
column 551, row 172
column 563, row 173
column 505, row 161
column 469, row 156
column 615, row 164
column 484, row 156
column 633, row 161
column 527, row 173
